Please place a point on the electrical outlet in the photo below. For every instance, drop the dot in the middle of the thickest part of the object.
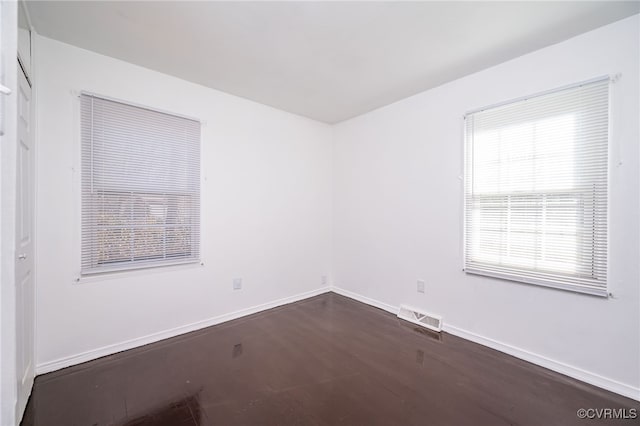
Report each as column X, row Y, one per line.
column 237, row 283
column 323, row 280
column 420, row 286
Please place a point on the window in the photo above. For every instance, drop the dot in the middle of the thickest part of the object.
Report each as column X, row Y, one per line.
column 536, row 189
column 140, row 187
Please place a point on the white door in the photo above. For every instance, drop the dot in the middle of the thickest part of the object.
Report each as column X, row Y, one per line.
column 25, row 294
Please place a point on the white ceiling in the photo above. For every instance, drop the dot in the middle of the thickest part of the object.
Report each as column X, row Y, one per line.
column 329, row 61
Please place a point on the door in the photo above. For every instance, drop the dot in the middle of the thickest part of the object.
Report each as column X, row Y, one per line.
column 25, row 294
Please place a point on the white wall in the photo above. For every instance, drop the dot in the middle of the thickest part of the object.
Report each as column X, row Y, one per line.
column 266, row 210
column 398, row 215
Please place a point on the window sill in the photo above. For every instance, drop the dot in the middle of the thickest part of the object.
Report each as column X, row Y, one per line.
column 574, row 288
column 136, row 271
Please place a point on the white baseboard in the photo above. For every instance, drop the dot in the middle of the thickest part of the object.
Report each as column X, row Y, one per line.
column 49, row 366
column 363, row 299
column 560, row 367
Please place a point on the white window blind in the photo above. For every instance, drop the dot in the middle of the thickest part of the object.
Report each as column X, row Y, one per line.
column 536, row 189
column 140, row 187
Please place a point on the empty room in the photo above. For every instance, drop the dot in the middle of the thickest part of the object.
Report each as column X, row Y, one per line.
column 319, row 213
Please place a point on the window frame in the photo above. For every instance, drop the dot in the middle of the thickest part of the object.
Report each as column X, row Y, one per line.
column 195, row 229
column 551, row 281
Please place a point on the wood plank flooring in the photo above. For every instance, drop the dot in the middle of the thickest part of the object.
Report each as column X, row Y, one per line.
column 327, row 360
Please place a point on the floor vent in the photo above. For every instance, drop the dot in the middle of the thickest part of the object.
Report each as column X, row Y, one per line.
column 432, row 322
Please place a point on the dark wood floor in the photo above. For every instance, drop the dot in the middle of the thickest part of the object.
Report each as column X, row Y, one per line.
column 327, row 360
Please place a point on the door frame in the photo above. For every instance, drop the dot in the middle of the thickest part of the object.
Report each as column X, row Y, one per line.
column 8, row 166
column 9, row 68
